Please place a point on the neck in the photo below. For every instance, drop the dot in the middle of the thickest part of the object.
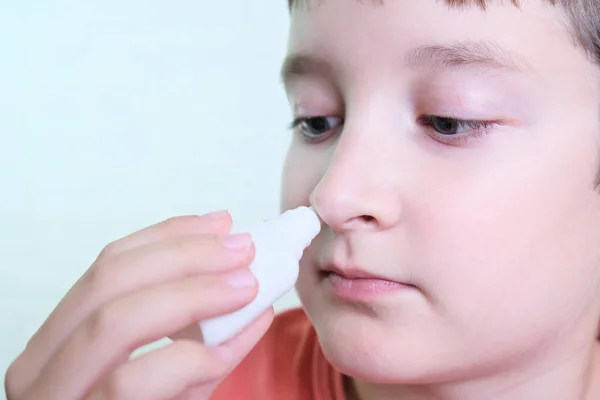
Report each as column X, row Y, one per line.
column 574, row 377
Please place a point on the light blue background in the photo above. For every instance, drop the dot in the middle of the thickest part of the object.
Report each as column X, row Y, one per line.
column 115, row 115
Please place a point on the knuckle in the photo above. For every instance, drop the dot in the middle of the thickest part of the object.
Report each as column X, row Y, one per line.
column 98, row 276
column 118, row 387
column 19, row 378
column 103, row 322
column 108, row 250
column 11, row 380
column 192, row 247
column 193, row 348
column 199, row 360
column 180, row 223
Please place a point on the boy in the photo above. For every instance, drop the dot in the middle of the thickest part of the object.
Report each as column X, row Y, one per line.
column 451, row 150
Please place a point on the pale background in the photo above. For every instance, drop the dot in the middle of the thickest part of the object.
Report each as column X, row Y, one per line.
column 117, row 114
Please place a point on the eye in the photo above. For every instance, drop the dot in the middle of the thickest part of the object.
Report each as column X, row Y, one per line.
column 445, row 126
column 452, row 126
column 316, row 128
column 453, row 130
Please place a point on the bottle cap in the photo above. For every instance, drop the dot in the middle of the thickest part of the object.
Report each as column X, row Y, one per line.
column 299, row 227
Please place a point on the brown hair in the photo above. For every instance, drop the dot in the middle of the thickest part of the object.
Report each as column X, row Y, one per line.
column 583, row 16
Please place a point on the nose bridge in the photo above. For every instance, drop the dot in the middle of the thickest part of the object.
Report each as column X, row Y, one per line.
column 357, row 185
column 354, row 161
column 366, row 141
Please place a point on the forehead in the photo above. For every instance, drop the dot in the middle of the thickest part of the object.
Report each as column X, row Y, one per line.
column 354, row 34
column 451, row 3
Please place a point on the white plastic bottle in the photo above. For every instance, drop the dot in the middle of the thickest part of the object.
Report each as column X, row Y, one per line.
column 279, row 244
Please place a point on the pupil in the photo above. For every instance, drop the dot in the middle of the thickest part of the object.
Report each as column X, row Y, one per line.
column 445, row 126
column 318, row 125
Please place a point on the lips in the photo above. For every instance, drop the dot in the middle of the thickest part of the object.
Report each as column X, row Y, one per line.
column 352, row 273
column 358, row 285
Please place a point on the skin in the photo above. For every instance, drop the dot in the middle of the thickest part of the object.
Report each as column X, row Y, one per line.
column 157, row 282
column 497, row 227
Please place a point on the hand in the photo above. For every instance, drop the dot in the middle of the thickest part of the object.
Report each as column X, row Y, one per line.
column 160, row 281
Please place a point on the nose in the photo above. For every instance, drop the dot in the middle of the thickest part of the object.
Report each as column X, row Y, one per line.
column 359, row 189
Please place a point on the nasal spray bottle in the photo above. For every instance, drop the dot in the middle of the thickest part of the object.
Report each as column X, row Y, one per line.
column 279, row 244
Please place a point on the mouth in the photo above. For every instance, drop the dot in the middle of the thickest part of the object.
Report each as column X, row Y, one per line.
column 358, row 285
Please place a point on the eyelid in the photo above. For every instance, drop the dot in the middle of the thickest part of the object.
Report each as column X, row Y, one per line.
column 299, row 120
column 316, row 138
column 428, row 120
column 479, row 129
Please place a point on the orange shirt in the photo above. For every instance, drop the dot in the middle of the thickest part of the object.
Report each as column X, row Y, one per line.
column 286, row 364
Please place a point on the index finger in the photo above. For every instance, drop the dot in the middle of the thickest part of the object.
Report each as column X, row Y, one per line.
column 217, row 222
column 28, row 365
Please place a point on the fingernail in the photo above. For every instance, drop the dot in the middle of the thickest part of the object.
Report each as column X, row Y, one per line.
column 240, row 278
column 240, row 241
column 216, row 214
column 222, row 353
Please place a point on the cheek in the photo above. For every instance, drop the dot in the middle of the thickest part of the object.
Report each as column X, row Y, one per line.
column 301, row 174
column 304, row 167
column 515, row 246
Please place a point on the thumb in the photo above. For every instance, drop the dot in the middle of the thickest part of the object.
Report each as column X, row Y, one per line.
column 240, row 346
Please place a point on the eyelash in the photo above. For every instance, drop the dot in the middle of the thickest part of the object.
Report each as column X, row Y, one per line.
column 478, row 128
column 297, row 123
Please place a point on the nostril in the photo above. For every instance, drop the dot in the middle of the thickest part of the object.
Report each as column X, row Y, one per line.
column 364, row 221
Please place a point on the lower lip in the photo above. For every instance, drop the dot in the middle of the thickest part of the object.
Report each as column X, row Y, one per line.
column 361, row 289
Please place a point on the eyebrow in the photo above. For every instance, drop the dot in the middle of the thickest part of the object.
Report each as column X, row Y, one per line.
column 301, row 65
column 487, row 55
column 483, row 55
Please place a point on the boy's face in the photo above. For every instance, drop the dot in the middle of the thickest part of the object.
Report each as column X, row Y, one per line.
column 488, row 229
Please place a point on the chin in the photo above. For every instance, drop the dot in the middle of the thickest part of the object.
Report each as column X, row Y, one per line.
column 377, row 351
column 396, row 340
column 363, row 349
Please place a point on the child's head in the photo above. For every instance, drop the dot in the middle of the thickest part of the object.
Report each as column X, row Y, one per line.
column 454, row 148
